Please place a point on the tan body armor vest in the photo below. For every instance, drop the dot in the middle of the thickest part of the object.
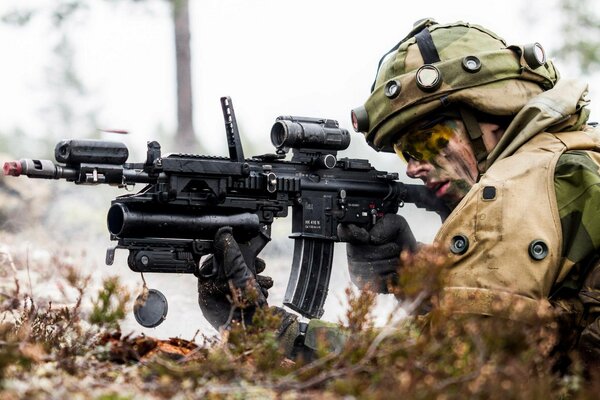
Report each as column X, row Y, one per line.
column 505, row 237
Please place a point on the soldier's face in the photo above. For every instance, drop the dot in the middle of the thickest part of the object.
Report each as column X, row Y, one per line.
column 439, row 153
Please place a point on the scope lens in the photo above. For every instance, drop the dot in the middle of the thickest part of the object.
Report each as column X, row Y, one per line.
column 278, row 134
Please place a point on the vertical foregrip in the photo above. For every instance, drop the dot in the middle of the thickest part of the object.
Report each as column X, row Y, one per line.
column 309, row 277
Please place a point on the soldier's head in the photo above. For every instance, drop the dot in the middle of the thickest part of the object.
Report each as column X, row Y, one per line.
column 443, row 96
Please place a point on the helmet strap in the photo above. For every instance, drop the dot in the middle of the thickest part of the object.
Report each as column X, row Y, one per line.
column 418, row 27
column 475, row 134
column 427, row 47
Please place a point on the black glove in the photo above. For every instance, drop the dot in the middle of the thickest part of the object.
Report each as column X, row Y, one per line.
column 374, row 256
column 227, row 289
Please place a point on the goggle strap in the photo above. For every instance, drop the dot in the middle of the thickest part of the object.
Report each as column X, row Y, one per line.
column 475, row 134
column 381, row 62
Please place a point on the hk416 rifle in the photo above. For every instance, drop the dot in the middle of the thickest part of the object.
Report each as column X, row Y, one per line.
column 170, row 224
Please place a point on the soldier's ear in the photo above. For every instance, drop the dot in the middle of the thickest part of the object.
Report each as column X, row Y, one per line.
column 492, row 133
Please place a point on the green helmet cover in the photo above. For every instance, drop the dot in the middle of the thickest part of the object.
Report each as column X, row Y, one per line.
column 501, row 84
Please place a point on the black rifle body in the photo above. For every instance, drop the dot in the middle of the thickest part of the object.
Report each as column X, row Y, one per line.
column 170, row 224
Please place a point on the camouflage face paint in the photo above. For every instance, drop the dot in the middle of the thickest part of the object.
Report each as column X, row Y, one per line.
column 440, row 154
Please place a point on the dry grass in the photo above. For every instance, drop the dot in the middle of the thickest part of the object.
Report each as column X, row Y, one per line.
column 66, row 343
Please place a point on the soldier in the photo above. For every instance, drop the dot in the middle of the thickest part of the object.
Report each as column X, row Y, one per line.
column 494, row 132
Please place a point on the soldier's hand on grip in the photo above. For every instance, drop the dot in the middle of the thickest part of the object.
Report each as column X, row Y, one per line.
column 374, row 255
column 228, row 290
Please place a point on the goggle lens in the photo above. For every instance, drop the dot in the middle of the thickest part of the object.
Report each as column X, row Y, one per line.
column 425, row 140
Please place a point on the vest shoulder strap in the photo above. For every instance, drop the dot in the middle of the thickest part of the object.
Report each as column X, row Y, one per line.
column 578, row 140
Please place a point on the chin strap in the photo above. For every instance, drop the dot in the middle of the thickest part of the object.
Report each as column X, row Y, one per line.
column 475, row 134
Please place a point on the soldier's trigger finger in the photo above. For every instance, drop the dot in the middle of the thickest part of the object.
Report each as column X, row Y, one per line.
column 260, row 265
column 207, row 269
column 353, row 234
column 221, row 231
column 265, row 282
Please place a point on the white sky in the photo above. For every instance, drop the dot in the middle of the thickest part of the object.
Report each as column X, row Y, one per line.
column 273, row 57
column 314, row 58
column 278, row 57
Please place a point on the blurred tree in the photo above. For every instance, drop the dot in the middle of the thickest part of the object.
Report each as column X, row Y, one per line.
column 185, row 137
column 580, row 34
column 62, row 11
column 65, row 88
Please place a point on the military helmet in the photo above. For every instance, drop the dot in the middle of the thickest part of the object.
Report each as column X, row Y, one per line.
column 437, row 67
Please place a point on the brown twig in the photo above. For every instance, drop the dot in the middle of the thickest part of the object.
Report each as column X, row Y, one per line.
column 323, row 377
column 28, row 272
column 305, row 369
column 14, row 270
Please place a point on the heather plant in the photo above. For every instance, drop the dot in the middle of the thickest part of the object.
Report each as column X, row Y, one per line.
column 423, row 352
column 109, row 306
column 246, row 353
column 33, row 332
column 439, row 354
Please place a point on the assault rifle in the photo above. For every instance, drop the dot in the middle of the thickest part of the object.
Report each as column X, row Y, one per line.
column 170, row 224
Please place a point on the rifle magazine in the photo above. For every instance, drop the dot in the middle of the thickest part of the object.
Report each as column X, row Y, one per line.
column 309, row 278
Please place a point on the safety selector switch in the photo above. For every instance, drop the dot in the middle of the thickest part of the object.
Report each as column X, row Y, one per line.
column 342, row 199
